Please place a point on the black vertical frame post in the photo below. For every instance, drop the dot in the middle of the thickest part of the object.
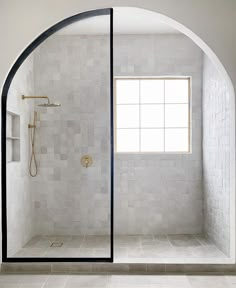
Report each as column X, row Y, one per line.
column 4, row 175
column 6, row 86
column 112, row 136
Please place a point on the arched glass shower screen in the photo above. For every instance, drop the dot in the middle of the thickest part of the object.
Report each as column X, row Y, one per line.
column 65, row 212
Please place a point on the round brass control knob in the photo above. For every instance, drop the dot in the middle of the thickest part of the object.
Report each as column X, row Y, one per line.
column 86, row 161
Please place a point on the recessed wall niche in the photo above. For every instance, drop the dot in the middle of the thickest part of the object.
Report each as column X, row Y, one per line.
column 13, row 137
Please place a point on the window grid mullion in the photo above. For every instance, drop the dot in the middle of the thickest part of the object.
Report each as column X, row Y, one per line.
column 164, row 116
column 139, row 117
column 164, row 124
column 172, row 127
column 124, row 104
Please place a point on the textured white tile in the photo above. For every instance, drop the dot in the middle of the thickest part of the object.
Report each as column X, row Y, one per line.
column 216, row 157
column 154, row 194
column 20, row 206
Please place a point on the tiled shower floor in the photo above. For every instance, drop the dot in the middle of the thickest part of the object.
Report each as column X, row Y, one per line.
column 127, row 249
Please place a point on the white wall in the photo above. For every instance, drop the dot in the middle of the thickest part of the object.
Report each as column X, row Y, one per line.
column 69, row 198
column 154, row 194
column 216, row 157
column 198, row 16
column 20, row 209
column 160, row 193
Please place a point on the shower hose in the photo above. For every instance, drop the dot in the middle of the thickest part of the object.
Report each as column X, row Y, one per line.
column 33, row 162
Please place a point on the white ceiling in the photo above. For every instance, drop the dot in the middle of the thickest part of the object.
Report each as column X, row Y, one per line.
column 127, row 20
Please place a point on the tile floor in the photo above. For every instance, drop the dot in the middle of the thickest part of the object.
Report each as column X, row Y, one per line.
column 117, row 281
column 127, row 249
column 66, row 246
column 166, row 249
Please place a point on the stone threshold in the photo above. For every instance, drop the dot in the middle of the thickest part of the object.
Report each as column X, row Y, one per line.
column 116, row 268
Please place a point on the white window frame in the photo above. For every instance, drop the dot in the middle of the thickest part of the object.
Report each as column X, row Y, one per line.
column 189, row 151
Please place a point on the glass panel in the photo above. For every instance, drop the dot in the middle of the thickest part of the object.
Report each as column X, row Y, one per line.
column 152, row 116
column 176, row 140
column 127, row 91
column 127, row 140
column 152, row 140
column 62, row 208
column 176, row 115
column 127, row 116
column 152, row 91
column 176, row 91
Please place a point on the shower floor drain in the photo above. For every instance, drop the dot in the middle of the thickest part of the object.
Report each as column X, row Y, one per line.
column 56, row 244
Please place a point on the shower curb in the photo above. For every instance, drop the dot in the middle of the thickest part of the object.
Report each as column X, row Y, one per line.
column 116, row 268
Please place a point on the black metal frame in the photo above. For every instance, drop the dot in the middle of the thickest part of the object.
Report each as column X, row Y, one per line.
column 10, row 76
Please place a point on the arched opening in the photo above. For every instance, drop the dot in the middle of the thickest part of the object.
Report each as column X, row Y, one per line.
column 168, row 198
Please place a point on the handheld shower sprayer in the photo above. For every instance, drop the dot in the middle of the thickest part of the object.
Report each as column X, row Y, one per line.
column 32, row 128
column 32, row 161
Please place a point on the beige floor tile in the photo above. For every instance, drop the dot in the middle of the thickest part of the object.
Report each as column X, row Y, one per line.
column 115, row 281
column 183, row 240
column 74, row 242
column 203, row 240
column 90, row 281
column 208, row 281
column 101, row 252
column 127, row 241
column 30, row 252
column 207, row 252
column 96, row 242
column 57, row 281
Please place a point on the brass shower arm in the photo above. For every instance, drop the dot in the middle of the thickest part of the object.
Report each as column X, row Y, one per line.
column 35, row 97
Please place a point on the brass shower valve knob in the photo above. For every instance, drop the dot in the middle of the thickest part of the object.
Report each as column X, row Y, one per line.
column 86, row 161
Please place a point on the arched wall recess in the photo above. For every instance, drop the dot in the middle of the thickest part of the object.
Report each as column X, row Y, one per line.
column 178, row 26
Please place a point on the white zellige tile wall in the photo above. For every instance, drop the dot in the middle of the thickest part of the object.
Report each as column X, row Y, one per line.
column 157, row 193
column 216, row 156
column 70, row 199
column 20, row 208
column 154, row 194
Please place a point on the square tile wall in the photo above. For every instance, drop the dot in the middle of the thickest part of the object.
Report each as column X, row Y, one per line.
column 69, row 198
column 160, row 193
column 216, row 157
column 154, row 194
column 20, row 208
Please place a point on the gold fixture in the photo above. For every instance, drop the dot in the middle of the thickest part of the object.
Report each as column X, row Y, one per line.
column 86, row 161
column 34, row 97
column 48, row 104
column 33, row 172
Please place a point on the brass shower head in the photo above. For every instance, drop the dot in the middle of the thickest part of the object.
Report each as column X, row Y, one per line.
column 48, row 104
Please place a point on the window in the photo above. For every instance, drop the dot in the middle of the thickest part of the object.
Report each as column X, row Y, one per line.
column 152, row 115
